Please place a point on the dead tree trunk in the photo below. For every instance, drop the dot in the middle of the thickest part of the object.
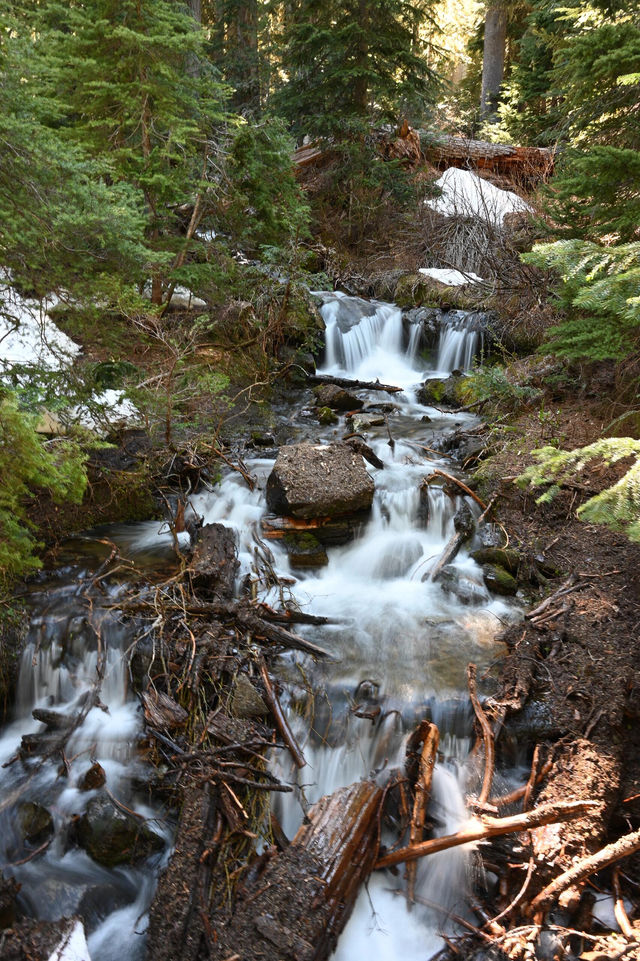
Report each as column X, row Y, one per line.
column 495, row 36
column 299, row 905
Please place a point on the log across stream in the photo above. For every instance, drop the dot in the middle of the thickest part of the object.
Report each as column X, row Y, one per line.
column 397, row 643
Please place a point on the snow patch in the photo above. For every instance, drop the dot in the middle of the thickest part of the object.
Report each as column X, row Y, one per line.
column 73, row 946
column 452, row 278
column 464, row 194
column 28, row 336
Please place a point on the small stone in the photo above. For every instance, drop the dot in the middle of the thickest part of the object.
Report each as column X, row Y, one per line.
column 92, row 779
column 246, row 702
column 326, row 416
column 305, row 550
column 35, row 822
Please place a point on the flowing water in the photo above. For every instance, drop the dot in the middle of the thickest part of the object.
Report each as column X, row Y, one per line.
column 399, row 644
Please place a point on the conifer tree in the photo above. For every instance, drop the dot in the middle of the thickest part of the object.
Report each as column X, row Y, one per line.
column 349, row 63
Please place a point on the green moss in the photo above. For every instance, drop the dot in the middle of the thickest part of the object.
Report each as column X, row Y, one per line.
column 327, row 416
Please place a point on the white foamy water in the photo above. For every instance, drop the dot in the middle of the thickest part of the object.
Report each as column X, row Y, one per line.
column 392, row 633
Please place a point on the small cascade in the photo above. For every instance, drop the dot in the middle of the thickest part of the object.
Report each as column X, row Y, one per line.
column 460, row 339
column 74, row 673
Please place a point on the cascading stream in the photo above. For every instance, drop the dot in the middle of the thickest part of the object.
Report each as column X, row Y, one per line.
column 400, row 646
column 400, row 643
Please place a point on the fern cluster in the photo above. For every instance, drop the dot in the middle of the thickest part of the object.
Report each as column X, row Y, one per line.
column 600, row 290
column 617, row 507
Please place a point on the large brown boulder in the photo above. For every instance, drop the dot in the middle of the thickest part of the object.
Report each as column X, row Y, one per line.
column 310, row 480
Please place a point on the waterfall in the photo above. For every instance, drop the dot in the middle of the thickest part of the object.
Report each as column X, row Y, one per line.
column 459, row 341
column 399, row 644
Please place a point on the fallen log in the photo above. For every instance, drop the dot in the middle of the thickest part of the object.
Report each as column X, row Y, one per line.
column 356, row 384
column 295, row 909
column 530, row 163
column 482, row 828
column 621, row 848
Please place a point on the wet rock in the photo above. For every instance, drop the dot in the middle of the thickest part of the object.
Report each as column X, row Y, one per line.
column 504, row 557
column 305, row 550
column 246, row 702
column 499, row 581
column 34, row 822
column 101, row 900
column 319, row 481
column 463, row 522
column 447, row 391
column 337, row 398
column 92, row 779
column 326, row 416
column 360, row 423
column 465, row 588
column 112, row 836
column 491, row 535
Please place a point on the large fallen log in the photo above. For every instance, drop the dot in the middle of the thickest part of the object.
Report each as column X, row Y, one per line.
column 528, row 163
column 482, row 828
column 297, row 907
column 356, row 384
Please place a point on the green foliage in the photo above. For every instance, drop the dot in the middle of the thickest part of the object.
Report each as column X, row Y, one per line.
column 29, row 465
column 491, row 385
column 617, row 507
column 266, row 207
column 61, row 223
column 600, row 291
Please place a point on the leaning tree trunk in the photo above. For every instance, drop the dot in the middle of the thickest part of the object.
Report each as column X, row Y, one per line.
column 495, row 35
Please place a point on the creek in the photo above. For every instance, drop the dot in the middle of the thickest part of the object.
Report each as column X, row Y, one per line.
column 399, row 648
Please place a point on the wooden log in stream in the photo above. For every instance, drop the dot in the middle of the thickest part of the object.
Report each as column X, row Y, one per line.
column 297, row 907
column 354, row 384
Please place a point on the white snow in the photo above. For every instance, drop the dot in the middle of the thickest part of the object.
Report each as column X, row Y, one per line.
column 452, row 278
column 464, row 194
column 73, row 946
column 29, row 336
column 181, row 299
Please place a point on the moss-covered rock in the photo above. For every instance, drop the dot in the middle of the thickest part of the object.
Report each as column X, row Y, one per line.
column 418, row 290
column 499, row 581
column 305, row 550
column 326, row 416
column 34, row 822
column 449, row 391
column 111, row 836
column 504, row 557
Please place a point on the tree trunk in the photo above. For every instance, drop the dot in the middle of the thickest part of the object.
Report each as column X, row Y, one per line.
column 495, row 35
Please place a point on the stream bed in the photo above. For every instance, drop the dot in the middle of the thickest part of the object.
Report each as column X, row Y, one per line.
column 399, row 647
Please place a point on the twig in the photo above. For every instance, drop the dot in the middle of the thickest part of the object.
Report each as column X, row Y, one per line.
column 278, row 714
column 461, row 485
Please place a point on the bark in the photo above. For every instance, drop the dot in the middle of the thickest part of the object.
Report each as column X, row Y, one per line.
column 479, row 829
column 495, row 36
column 295, row 910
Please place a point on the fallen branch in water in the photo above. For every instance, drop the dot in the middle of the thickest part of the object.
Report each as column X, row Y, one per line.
column 621, row 848
column 430, row 737
column 454, row 480
column 487, row 736
column 279, row 717
column 479, row 829
column 519, row 792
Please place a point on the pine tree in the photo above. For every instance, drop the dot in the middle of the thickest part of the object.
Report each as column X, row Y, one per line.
column 120, row 72
column 350, row 63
